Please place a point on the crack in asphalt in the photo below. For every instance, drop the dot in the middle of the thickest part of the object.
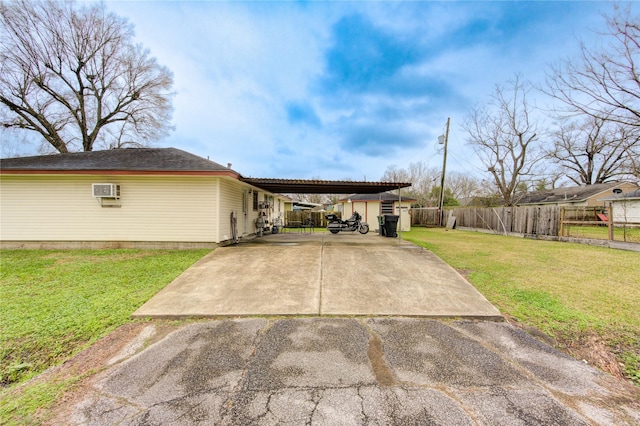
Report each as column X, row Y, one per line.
column 378, row 371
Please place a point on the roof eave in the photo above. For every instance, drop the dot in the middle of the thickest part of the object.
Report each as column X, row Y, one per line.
column 94, row 172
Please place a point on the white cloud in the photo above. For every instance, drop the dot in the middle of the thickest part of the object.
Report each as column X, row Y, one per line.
column 237, row 66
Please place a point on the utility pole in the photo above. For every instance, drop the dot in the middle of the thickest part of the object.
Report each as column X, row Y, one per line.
column 443, row 139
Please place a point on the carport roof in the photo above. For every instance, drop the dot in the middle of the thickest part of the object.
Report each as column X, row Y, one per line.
column 302, row 186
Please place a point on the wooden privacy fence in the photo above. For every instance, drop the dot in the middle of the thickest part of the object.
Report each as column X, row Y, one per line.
column 426, row 216
column 552, row 221
column 534, row 220
column 299, row 217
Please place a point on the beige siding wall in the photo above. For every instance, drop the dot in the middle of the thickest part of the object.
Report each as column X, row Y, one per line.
column 247, row 220
column 230, row 200
column 626, row 211
column 152, row 209
column 597, row 201
column 372, row 213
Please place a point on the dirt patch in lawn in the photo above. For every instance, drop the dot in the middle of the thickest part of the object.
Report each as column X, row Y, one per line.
column 85, row 365
column 589, row 348
column 592, row 350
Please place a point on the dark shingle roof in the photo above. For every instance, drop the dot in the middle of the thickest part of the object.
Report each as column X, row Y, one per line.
column 633, row 195
column 130, row 159
column 571, row 194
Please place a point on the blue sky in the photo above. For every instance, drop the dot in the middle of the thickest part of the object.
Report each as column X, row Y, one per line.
column 338, row 90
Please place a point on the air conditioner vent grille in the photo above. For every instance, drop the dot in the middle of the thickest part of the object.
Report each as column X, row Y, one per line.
column 105, row 190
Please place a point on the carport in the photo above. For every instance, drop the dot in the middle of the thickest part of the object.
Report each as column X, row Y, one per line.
column 305, row 186
column 320, row 274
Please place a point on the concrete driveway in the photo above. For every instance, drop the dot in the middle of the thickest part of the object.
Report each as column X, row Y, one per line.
column 320, row 274
column 367, row 370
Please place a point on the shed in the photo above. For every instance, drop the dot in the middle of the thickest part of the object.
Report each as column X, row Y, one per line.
column 370, row 206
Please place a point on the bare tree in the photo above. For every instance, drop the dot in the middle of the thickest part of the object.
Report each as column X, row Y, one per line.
column 74, row 76
column 603, row 82
column 505, row 138
column 633, row 165
column 595, row 150
column 551, row 180
column 463, row 186
column 422, row 180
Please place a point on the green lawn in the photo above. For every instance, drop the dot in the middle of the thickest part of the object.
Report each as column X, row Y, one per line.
column 56, row 303
column 602, row 233
column 570, row 291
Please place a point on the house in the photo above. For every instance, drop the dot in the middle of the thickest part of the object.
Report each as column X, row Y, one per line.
column 370, row 206
column 141, row 197
column 148, row 195
column 626, row 207
column 576, row 196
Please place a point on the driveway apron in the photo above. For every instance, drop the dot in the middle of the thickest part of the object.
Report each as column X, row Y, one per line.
column 351, row 371
column 320, row 274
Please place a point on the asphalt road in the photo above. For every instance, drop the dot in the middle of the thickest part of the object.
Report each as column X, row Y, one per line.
column 351, row 371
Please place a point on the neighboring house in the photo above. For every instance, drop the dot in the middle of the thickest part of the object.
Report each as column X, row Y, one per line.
column 370, row 206
column 144, row 195
column 626, row 207
column 576, row 196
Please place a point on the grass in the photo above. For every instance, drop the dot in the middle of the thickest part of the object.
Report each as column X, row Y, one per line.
column 56, row 303
column 602, row 233
column 575, row 293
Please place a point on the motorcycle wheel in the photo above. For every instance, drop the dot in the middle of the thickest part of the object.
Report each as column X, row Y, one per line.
column 363, row 229
column 333, row 231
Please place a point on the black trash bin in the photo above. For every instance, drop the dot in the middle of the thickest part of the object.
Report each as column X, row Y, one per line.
column 381, row 225
column 391, row 225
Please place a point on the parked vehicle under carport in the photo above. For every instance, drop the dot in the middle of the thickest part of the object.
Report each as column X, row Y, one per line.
column 354, row 223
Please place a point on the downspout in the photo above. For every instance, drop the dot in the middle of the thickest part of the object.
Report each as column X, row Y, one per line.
column 217, row 215
column 400, row 215
column 379, row 212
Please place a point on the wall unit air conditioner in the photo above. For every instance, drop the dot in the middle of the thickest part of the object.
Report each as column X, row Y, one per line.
column 105, row 190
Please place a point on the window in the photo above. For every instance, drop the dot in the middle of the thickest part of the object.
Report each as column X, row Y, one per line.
column 387, row 207
column 255, row 200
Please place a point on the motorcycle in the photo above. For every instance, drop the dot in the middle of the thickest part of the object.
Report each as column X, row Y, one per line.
column 354, row 223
